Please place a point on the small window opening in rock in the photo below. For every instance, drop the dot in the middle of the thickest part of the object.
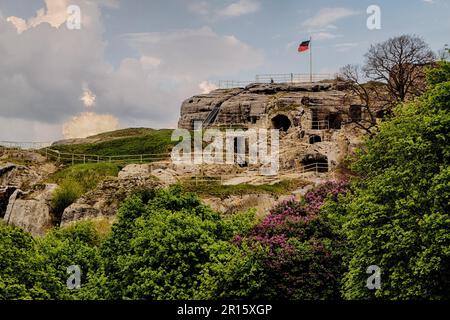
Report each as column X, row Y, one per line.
column 281, row 122
column 334, row 120
column 380, row 114
column 315, row 139
column 356, row 113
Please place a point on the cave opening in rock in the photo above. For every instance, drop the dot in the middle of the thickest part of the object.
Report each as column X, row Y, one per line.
column 315, row 162
column 314, row 139
column 355, row 113
column 281, row 122
column 334, row 120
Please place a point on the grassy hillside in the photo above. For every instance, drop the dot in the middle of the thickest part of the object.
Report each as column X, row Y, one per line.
column 122, row 142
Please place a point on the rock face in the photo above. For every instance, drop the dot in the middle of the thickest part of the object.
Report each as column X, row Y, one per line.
column 316, row 121
column 105, row 200
column 31, row 211
column 18, row 176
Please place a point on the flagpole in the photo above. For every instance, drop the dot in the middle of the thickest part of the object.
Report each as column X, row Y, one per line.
column 310, row 60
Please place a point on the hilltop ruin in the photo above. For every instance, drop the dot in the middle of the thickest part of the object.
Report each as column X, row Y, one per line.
column 316, row 120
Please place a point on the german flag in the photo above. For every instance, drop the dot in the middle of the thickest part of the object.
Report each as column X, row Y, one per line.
column 304, row 46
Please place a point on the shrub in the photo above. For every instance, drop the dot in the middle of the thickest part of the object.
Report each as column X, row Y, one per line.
column 66, row 194
column 399, row 215
column 293, row 253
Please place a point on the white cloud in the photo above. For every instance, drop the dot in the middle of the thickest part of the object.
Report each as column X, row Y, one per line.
column 20, row 24
column 240, row 8
column 196, row 54
column 235, row 9
column 327, row 16
column 428, row 1
column 323, row 36
column 88, row 124
column 207, row 87
column 88, row 98
column 46, row 70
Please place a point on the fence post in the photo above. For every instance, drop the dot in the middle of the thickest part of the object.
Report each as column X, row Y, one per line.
column 98, row 159
column 292, row 78
column 84, row 159
column 73, row 159
column 141, row 158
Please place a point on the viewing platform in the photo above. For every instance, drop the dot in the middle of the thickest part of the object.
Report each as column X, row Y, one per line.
column 275, row 78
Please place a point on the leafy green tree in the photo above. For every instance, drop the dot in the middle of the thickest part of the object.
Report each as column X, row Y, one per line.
column 23, row 275
column 398, row 216
column 159, row 249
column 76, row 245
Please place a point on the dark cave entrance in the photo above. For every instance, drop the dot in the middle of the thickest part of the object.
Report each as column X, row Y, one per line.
column 334, row 120
column 314, row 139
column 313, row 162
column 281, row 122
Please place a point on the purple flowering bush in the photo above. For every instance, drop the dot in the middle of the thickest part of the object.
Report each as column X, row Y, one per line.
column 302, row 259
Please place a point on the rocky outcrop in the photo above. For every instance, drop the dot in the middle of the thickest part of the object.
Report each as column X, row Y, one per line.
column 31, row 211
column 17, row 176
column 105, row 199
column 316, row 120
column 255, row 104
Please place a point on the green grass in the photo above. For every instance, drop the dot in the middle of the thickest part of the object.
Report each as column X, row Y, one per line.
column 74, row 181
column 67, row 193
column 215, row 189
column 87, row 176
column 144, row 142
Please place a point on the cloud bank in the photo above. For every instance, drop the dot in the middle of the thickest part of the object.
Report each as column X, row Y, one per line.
column 46, row 69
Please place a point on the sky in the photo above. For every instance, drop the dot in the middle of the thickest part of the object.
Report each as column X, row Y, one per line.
column 132, row 62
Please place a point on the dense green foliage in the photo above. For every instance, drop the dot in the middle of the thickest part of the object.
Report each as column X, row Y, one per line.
column 166, row 244
column 37, row 269
column 398, row 216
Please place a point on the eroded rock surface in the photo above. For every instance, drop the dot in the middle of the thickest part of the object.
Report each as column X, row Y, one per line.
column 105, row 199
column 31, row 210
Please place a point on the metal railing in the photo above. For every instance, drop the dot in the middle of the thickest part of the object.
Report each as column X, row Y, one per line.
column 230, row 84
column 14, row 145
column 74, row 158
column 275, row 78
column 290, row 77
column 221, row 179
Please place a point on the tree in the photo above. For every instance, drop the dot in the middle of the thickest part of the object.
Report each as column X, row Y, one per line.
column 292, row 254
column 398, row 215
column 23, row 273
column 371, row 96
column 161, row 249
column 399, row 63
